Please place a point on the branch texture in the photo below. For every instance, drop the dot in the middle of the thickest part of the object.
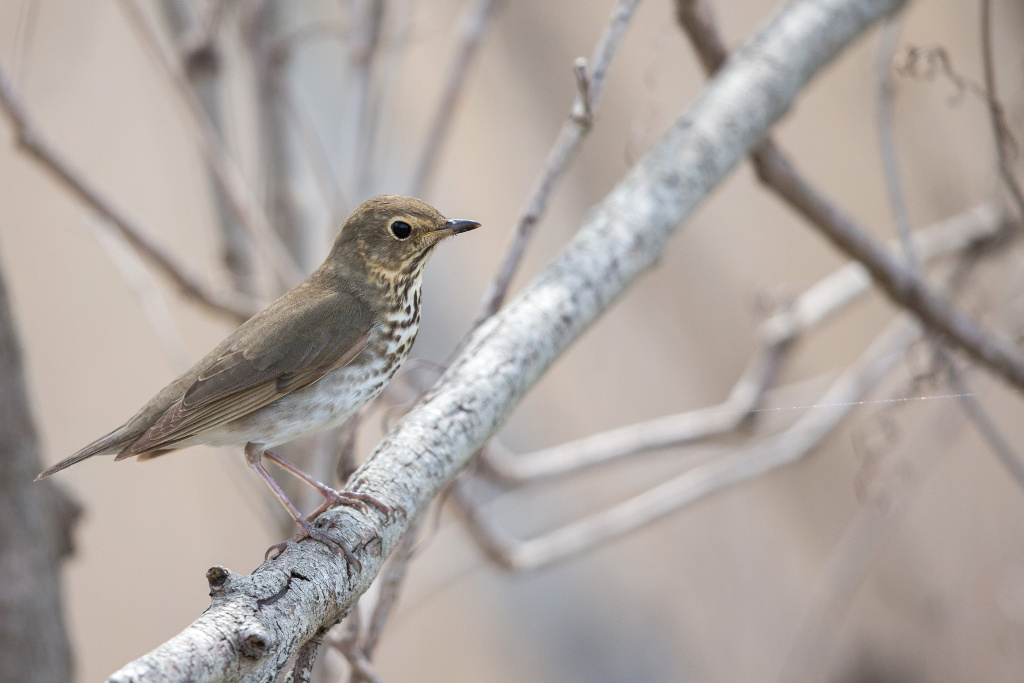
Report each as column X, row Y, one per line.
column 257, row 622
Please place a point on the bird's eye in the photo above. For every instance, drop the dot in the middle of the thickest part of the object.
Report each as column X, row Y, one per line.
column 401, row 229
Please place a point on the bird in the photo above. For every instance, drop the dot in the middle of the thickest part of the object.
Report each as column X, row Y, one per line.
column 306, row 362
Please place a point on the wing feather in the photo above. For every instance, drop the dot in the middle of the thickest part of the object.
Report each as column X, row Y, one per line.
column 286, row 353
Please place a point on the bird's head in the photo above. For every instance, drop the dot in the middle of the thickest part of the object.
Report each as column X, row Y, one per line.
column 392, row 236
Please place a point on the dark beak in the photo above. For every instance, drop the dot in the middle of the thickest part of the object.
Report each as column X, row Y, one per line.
column 454, row 227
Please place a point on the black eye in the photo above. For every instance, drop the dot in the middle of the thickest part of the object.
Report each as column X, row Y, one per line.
column 401, row 229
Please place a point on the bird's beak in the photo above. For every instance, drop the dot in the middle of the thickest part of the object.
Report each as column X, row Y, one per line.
column 454, row 227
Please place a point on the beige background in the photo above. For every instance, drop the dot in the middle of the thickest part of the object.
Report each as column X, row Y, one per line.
column 724, row 583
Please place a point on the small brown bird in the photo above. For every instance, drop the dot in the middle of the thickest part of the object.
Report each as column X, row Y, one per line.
column 306, row 362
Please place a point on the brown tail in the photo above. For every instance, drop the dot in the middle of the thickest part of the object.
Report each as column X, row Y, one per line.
column 111, row 443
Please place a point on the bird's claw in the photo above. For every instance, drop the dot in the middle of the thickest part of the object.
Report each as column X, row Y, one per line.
column 279, row 547
column 307, row 530
column 350, row 499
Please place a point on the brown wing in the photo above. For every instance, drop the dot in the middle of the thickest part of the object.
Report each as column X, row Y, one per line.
column 288, row 351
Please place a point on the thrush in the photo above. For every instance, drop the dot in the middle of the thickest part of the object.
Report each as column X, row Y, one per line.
column 307, row 361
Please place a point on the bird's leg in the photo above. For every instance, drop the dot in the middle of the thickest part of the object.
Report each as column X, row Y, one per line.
column 331, row 496
column 253, row 455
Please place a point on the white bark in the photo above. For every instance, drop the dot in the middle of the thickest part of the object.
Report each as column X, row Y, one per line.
column 257, row 622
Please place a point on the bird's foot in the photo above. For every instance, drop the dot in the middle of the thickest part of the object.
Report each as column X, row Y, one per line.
column 278, row 547
column 307, row 530
column 351, row 499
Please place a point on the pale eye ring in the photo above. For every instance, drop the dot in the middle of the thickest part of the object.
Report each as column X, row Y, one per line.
column 401, row 230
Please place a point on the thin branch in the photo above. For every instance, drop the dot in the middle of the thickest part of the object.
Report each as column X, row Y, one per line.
column 959, row 385
column 924, row 62
column 232, row 304
column 305, row 658
column 390, row 581
column 728, row 470
column 280, row 154
column 256, row 623
column 28, row 20
column 864, row 537
column 905, row 288
column 361, row 666
column 873, row 524
column 394, row 44
column 327, row 181
column 327, row 29
column 997, row 114
column 571, row 135
column 196, row 44
column 871, row 527
column 776, row 337
column 140, row 279
column 476, row 25
column 887, row 139
column 367, row 18
column 230, row 176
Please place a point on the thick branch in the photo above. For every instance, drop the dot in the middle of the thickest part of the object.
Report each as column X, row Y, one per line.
column 256, row 623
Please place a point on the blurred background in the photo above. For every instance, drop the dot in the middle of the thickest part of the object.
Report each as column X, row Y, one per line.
column 721, row 590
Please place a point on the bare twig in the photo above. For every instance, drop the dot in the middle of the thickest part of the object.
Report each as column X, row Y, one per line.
column 348, row 645
column 997, row 115
column 319, row 30
column 367, row 19
column 361, row 666
column 230, row 176
column 924, row 62
column 864, row 537
column 890, row 161
column 574, row 129
column 305, row 658
column 394, row 44
column 871, row 527
column 233, row 304
column 894, row 183
column 28, row 19
column 139, row 278
column 697, row 18
column 730, row 469
column 202, row 61
column 777, row 335
column 280, row 165
column 390, row 582
column 338, row 205
column 256, row 623
column 479, row 18
column 901, row 285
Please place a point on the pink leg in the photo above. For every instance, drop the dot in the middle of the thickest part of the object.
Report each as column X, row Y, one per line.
column 253, row 455
column 331, row 497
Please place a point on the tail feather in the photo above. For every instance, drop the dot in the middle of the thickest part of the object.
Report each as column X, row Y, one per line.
column 111, row 443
